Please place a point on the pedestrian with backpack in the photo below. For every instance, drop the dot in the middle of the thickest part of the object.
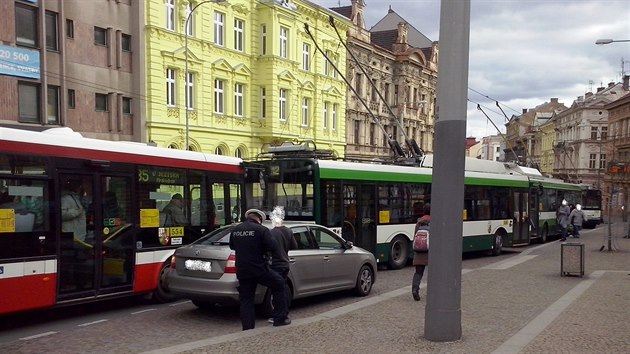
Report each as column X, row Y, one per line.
column 421, row 250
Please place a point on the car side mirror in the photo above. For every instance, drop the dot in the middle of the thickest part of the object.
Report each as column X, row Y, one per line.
column 349, row 244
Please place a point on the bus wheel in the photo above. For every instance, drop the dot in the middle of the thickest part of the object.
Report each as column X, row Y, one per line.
column 545, row 234
column 398, row 253
column 497, row 245
column 162, row 293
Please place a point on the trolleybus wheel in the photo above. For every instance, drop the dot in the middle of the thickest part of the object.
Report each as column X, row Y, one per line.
column 398, row 252
column 497, row 245
column 545, row 234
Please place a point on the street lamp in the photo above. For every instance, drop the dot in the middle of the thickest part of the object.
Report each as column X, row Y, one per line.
column 608, row 41
column 187, row 97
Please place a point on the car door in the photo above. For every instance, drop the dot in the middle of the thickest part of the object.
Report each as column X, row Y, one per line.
column 339, row 264
column 306, row 263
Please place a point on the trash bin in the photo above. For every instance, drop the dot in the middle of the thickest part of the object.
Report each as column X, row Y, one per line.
column 572, row 259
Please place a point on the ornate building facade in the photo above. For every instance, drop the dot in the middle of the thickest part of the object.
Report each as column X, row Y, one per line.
column 402, row 65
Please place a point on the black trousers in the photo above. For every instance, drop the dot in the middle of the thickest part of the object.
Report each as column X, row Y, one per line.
column 284, row 273
column 247, row 292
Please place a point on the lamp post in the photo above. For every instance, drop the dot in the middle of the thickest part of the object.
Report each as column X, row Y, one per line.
column 608, row 41
column 186, row 96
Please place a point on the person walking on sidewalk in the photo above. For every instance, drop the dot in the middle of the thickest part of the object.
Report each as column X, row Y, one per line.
column 577, row 218
column 420, row 259
column 280, row 260
column 251, row 242
column 562, row 216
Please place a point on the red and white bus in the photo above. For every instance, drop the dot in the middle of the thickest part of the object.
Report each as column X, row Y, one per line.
column 82, row 219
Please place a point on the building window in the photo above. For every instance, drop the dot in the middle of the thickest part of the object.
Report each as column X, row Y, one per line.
column 333, row 117
column 239, row 28
column 263, row 102
column 126, row 105
column 282, row 104
column 53, row 104
column 284, row 42
column 306, row 103
column 357, row 128
column 100, row 36
column 386, row 93
column 69, row 28
column 327, row 63
column 28, row 102
column 602, row 160
column 26, row 26
column 51, row 31
column 592, row 160
column 325, row 115
column 219, row 23
column 170, row 87
column 218, row 151
column 604, row 133
column 189, row 20
column 170, row 15
column 190, row 91
column 372, row 134
column 219, row 87
column 125, row 43
column 263, row 39
column 306, row 57
column 396, row 95
column 239, row 102
column 239, row 153
column 374, row 93
column 101, row 102
column 72, row 100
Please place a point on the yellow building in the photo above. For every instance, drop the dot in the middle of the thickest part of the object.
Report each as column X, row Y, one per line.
column 254, row 75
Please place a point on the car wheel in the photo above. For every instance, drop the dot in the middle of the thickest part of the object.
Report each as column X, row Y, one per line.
column 266, row 308
column 162, row 293
column 398, row 253
column 365, row 280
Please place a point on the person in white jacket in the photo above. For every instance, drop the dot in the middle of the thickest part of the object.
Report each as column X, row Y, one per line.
column 72, row 211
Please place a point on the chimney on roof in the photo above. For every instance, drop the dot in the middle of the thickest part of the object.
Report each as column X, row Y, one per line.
column 524, row 110
column 580, row 98
column 626, row 82
column 600, row 89
column 401, row 44
column 554, row 100
column 588, row 94
column 611, row 84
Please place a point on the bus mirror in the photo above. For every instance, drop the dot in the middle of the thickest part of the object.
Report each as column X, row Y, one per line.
column 262, row 180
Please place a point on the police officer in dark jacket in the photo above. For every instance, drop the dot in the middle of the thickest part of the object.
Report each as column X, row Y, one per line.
column 252, row 242
column 286, row 241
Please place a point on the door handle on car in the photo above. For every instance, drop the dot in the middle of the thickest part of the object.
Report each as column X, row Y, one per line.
column 326, row 258
column 291, row 260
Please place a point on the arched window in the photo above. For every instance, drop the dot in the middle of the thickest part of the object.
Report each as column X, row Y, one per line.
column 218, row 151
column 239, row 153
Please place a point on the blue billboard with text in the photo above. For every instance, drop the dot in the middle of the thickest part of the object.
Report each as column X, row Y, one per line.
column 19, row 62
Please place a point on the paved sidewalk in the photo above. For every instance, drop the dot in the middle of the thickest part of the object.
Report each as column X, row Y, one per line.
column 521, row 305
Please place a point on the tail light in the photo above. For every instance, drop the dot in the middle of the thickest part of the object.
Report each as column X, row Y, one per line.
column 230, row 266
column 173, row 263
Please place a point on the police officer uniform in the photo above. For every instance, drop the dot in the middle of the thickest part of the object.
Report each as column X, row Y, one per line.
column 252, row 241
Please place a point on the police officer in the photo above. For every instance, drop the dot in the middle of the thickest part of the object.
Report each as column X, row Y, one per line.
column 252, row 242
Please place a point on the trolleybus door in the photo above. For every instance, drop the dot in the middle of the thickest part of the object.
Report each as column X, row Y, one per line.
column 96, row 241
column 361, row 208
column 533, row 211
column 521, row 219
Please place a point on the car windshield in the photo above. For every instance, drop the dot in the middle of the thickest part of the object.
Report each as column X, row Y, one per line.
column 216, row 237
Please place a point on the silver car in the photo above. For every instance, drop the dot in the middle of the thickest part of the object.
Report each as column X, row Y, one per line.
column 205, row 272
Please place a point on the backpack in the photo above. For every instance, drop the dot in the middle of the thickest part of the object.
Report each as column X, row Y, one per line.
column 421, row 239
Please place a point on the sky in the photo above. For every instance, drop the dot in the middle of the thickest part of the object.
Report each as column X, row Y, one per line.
column 525, row 52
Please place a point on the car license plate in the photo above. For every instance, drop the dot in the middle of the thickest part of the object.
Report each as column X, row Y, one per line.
column 195, row 264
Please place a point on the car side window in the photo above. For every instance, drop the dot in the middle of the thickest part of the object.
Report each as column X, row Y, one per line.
column 326, row 239
column 303, row 238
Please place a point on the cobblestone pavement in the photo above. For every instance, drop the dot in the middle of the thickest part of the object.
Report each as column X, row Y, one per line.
column 520, row 305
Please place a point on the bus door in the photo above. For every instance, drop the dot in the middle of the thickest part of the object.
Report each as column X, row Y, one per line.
column 534, row 199
column 360, row 211
column 96, row 254
column 521, row 219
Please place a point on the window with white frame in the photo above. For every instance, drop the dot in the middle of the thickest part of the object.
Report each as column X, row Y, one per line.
column 219, row 96
column 189, row 20
column 325, row 115
column 239, row 100
column 170, row 15
column 327, row 64
column 592, row 160
column 239, row 27
column 306, row 57
column 170, row 87
column 219, row 26
column 282, row 104
column 333, row 118
column 602, row 160
column 604, row 133
column 263, row 39
column 190, row 91
column 263, row 102
column 306, row 102
column 284, row 42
